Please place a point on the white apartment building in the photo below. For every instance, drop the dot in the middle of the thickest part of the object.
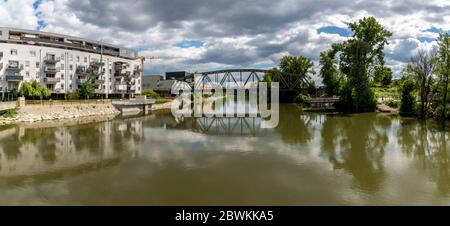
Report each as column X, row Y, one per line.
column 62, row 62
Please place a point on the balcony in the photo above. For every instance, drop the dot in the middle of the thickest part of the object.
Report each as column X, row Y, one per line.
column 52, row 80
column 51, row 59
column 99, row 82
column 81, row 80
column 122, row 88
column 14, row 66
column 14, row 78
column 97, row 64
column 120, row 66
column 51, row 70
column 123, row 74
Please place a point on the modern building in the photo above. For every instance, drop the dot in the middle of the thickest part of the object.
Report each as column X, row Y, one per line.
column 150, row 81
column 177, row 75
column 62, row 62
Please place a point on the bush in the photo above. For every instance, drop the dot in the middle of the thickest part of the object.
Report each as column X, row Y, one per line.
column 9, row 113
column 151, row 93
column 407, row 107
column 393, row 103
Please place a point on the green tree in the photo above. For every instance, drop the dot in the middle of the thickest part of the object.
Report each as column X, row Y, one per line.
column 360, row 55
column 329, row 72
column 86, row 89
column 33, row 90
column 407, row 107
column 443, row 72
column 383, row 76
column 420, row 68
column 298, row 65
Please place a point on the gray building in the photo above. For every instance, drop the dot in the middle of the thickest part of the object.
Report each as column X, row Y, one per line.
column 177, row 75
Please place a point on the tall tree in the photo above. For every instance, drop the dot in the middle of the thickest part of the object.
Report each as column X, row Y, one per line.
column 421, row 68
column 443, row 71
column 298, row 65
column 383, row 76
column 329, row 72
column 407, row 107
column 359, row 56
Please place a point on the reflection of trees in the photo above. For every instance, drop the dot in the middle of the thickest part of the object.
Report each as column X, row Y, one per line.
column 356, row 145
column 427, row 144
column 291, row 127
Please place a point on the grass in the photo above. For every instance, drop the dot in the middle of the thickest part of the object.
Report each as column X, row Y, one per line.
column 9, row 113
column 391, row 92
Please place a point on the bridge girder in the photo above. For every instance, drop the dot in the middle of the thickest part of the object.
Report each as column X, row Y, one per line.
column 287, row 81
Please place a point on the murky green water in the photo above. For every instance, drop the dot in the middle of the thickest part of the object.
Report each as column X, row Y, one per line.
column 157, row 160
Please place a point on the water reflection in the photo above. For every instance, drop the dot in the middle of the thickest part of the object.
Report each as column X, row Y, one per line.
column 157, row 159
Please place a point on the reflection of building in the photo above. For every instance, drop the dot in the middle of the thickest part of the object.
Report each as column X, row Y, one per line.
column 62, row 62
column 28, row 152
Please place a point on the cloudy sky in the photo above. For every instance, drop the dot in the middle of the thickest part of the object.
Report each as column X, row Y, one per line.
column 200, row 35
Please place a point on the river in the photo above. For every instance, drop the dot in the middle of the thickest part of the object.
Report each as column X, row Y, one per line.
column 309, row 159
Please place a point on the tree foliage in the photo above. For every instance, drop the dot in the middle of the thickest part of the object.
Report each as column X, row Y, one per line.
column 407, row 107
column 359, row 56
column 421, row 69
column 33, row 90
column 329, row 72
column 86, row 90
column 298, row 65
column 383, row 76
column 443, row 72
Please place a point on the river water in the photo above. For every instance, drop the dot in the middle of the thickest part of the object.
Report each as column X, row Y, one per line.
column 309, row 159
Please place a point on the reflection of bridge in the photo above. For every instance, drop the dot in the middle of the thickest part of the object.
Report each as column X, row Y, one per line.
column 241, row 78
column 236, row 126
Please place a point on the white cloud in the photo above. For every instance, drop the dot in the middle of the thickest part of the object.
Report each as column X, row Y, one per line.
column 235, row 33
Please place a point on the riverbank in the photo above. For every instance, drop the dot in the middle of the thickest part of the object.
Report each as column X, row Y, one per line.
column 38, row 113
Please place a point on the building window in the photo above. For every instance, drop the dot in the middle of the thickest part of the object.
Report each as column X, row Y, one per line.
column 62, row 67
column 62, row 76
column 85, row 59
column 70, row 86
column 37, row 64
column 78, row 59
column 27, row 74
column 62, row 56
column 32, row 53
column 14, row 52
column 27, row 63
column 71, row 76
column 62, row 86
column 71, row 57
column 71, row 67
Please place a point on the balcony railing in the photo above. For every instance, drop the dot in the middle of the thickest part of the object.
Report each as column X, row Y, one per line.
column 14, row 67
column 121, row 87
column 52, row 80
column 14, row 78
column 51, row 69
column 123, row 74
column 97, row 64
column 51, row 59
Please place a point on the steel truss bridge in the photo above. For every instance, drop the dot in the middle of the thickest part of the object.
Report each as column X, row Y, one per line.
column 244, row 78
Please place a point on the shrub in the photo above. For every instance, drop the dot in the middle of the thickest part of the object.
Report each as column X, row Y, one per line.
column 9, row 113
column 151, row 93
column 393, row 103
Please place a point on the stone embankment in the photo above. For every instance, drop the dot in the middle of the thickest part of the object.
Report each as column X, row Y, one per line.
column 36, row 113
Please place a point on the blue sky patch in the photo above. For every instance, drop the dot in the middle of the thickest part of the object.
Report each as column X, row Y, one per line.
column 335, row 30
column 41, row 23
column 426, row 39
column 190, row 43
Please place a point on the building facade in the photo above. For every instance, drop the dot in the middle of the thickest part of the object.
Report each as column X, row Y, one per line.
column 62, row 62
